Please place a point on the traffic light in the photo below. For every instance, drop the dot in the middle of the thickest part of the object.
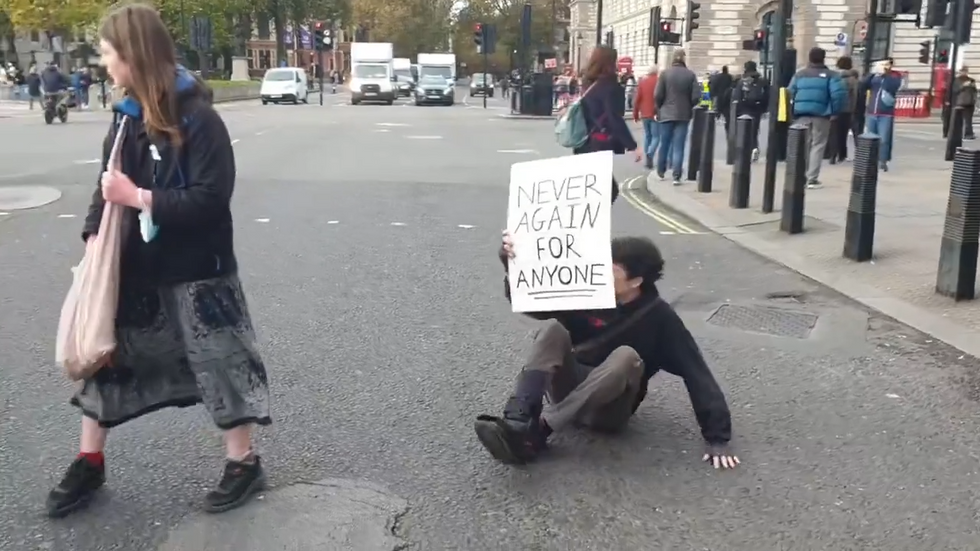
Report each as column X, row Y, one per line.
column 760, row 40
column 961, row 20
column 478, row 37
column 318, row 35
column 692, row 19
column 942, row 56
column 924, row 52
column 490, row 39
column 653, row 34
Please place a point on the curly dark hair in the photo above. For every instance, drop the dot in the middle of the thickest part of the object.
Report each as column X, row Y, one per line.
column 639, row 257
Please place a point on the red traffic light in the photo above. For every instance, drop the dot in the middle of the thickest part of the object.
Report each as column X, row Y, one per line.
column 318, row 25
column 665, row 26
column 759, row 35
column 478, row 27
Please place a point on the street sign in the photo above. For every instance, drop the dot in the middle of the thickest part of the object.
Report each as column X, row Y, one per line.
column 841, row 40
column 550, row 63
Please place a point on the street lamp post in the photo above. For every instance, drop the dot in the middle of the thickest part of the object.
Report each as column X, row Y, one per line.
column 598, row 23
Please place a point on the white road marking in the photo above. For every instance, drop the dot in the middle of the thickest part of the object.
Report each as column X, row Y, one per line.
column 519, row 151
column 668, row 233
column 397, row 223
column 333, row 221
column 466, row 226
column 262, row 220
column 390, row 124
column 892, row 395
column 4, row 214
column 381, row 130
column 423, row 137
column 89, row 162
column 66, row 216
column 260, row 132
column 233, row 142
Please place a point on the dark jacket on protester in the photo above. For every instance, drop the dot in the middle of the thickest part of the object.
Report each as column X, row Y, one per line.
column 720, row 86
column 34, row 85
column 53, row 80
column 677, row 93
column 750, row 79
column 964, row 92
column 191, row 188
column 662, row 341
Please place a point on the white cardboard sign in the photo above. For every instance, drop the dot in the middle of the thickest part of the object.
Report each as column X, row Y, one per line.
column 558, row 216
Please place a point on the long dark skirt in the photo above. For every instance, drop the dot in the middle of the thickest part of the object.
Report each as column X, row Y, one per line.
column 179, row 346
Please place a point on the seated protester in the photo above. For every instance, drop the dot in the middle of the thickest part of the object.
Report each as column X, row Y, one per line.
column 595, row 365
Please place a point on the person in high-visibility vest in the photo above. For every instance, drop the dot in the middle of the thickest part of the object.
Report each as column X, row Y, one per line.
column 705, row 94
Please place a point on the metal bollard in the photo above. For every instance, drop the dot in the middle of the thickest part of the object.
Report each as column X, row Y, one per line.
column 945, row 118
column 782, row 133
column 794, row 185
column 954, row 139
column 738, row 194
column 957, row 275
column 859, row 231
column 706, row 172
column 730, row 134
column 697, row 133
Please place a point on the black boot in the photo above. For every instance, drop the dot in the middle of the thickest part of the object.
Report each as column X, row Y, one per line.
column 76, row 489
column 240, row 481
column 519, row 436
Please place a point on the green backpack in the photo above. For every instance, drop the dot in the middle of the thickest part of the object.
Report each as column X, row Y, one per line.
column 571, row 129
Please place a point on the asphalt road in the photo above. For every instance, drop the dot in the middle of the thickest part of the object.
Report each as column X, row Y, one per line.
column 366, row 238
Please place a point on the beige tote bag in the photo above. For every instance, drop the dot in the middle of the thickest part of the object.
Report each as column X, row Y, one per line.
column 87, row 330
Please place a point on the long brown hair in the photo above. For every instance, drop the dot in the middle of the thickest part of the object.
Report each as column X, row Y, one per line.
column 140, row 38
column 602, row 64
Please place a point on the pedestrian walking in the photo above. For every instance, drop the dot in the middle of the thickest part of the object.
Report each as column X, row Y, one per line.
column 883, row 89
column 677, row 92
column 183, row 328
column 965, row 96
column 720, row 89
column 751, row 91
column 645, row 110
column 603, row 108
column 845, row 119
column 33, row 87
column 818, row 95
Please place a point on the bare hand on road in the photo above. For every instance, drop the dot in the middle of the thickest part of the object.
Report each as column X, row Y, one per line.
column 507, row 245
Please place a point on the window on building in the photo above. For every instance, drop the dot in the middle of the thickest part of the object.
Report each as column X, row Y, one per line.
column 768, row 54
column 881, row 48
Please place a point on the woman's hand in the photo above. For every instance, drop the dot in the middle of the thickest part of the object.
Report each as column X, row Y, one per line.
column 119, row 189
column 639, row 155
column 506, row 246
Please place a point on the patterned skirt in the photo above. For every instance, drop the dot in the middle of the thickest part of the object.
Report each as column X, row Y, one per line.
column 179, row 346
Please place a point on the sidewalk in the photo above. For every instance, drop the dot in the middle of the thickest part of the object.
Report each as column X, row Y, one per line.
column 899, row 282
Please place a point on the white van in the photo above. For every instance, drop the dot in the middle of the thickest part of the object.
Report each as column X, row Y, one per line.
column 284, row 84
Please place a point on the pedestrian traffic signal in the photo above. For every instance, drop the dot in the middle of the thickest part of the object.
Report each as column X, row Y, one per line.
column 942, row 56
column 924, row 52
column 478, row 37
column 692, row 19
column 653, row 33
column 760, row 40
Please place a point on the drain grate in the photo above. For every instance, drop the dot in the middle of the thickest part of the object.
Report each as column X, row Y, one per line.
column 761, row 319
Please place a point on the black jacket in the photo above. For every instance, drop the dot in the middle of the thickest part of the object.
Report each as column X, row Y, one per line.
column 33, row 85
column 191, row 186
column 662, row 341
column 53, row 80
column 604, row 108
column 720, row 85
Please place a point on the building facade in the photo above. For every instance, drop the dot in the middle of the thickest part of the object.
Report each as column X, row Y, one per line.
column 581, row 32
column 724, row 24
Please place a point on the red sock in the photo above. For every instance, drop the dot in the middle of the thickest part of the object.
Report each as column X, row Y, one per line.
column 95, row 458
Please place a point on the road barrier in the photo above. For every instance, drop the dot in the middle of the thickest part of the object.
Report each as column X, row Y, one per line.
column 957, row 274
column 738, row 197
column 912, row 104
column 698, row 118
column 794, row 185
column 859, row 231
column 706, row 171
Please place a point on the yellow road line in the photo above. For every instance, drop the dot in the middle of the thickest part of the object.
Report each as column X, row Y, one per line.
column 627, row 191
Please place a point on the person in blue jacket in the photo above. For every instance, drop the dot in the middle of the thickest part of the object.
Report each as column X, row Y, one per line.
column 882, row 90
column 818, row 95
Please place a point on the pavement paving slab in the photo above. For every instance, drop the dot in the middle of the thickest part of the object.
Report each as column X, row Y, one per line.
column 369, row 263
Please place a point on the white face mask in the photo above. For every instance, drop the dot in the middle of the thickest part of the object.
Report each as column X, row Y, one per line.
column 148, row 229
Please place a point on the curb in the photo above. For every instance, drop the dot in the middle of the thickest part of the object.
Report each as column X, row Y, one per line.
column 527, row 117
column 953, row 334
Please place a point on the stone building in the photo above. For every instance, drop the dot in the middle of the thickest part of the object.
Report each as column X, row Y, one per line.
column 724, row 24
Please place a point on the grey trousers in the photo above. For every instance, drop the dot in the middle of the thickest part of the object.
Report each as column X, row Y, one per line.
column 600, row 397
column 819, row 133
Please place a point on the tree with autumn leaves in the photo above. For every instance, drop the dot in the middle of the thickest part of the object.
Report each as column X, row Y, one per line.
column 506, row 15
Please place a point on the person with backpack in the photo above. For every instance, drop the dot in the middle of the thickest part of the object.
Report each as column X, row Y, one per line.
column 752, row 94
column 845, row 119
column 818, row 95
column 596, row 121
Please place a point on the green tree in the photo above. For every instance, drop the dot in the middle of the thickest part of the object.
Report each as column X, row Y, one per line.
column 53, row 16
column 506, row 15
column 413, row 26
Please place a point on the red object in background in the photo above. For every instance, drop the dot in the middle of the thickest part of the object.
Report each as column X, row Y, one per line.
column 940, row 77
column 625, row 65
column 318, row 25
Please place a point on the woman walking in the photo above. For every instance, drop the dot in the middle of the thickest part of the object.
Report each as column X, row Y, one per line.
column 603, row 105
column 183, row 329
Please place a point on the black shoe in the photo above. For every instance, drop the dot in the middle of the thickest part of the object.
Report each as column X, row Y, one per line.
column 649, row 163
column 76, row 489
column 511, row 441
column 239, row 482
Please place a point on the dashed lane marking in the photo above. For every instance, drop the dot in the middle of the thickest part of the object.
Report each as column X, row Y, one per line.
column 399, row 124
column 466, row 226
column 4, row 214
column 67, row 216
column 89, row 162
column 423, row 137
column 233, row 142
column 398, row 224
column 518, row 151
column 262, row 220
column 629, row 193
column 333, row 221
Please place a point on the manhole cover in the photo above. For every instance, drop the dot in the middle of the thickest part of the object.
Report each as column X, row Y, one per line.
column 760, row 319
column 27, row 197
